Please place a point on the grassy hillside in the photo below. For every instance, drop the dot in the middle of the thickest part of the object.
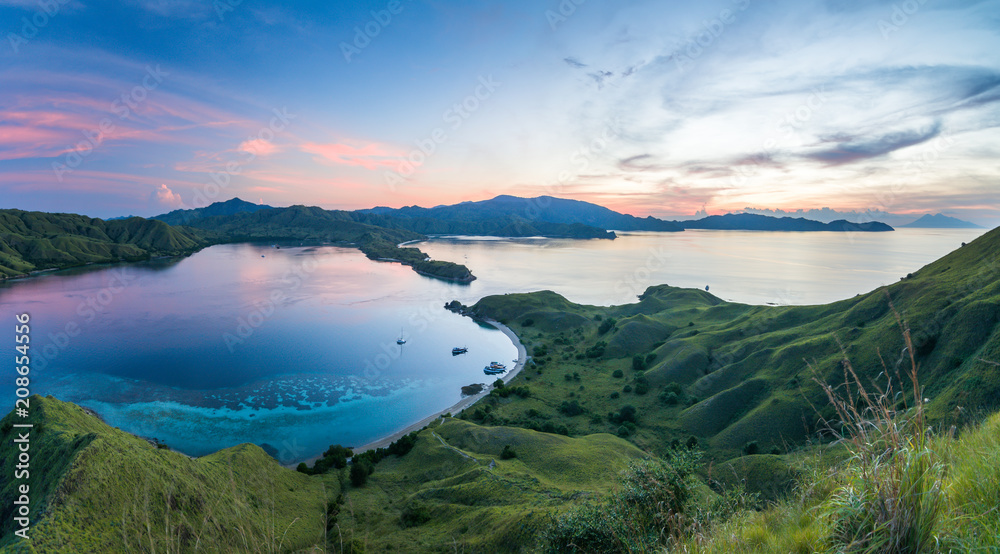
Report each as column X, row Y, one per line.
column 731, row 374
column 97, row 489
column 455, row 491
column 594, row 446
column 31, row 241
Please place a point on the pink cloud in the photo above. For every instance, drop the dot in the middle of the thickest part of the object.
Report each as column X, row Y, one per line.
column 258, row 147
column 166, row 197
column 370, row 156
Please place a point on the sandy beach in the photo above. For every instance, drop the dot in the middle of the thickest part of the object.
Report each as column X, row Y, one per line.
column 522, row 359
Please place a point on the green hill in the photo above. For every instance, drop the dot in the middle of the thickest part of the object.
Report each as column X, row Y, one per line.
column 97, row 489
column 733, row 374
column 32, row 241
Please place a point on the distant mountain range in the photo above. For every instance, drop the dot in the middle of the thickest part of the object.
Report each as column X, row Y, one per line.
column 229, row 207
column 826, row 215
column 540, row 210
column 546, row 210
column 753, row 222
column 30, row 241
column 941, row 221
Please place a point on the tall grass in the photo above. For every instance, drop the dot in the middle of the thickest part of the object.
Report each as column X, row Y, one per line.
column 891, row 496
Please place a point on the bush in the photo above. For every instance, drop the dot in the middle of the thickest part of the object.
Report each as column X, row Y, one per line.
column 360, row 470
column 528, row 322
column 571, row 408
column 892, row 493
column 618, row 374
column 669, row 398
column 641, row 386
column 628, row 413
column 597, row 350
column 750, row 448
column 644, row 515
column 336, row 457
column 606, row 325
column 627, row 388
column 507, row 453
column 638, row 362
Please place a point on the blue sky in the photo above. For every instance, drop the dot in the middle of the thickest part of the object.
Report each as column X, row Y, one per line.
column 662, row 108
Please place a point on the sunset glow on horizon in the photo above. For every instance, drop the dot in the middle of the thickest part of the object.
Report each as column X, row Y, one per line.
column 649, row 108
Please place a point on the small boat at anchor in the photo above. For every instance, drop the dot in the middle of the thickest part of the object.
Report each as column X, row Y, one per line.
column 456, row 351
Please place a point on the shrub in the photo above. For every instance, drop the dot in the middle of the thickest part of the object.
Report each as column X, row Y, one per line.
column 891, row 495
column 645, row 514
column 750, row 448
column 360, row 470
column 507, row 453
column 618, row 374
column 571, row 408
column 498, row 384
column 638, row 362
column 528, row 322
column 627, row 388
column 669, row 398
column 628, row 413
column 641, row 386
column 606, row 325
column 336, row 457
column 597, row 350
column 650, row 358
column 614, row 395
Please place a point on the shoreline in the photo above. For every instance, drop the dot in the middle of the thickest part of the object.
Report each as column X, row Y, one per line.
column 468, row 401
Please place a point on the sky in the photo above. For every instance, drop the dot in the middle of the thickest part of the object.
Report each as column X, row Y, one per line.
column 647, row 107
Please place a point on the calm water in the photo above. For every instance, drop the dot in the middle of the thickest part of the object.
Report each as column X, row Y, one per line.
column 296, row 347
column 752, row 267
